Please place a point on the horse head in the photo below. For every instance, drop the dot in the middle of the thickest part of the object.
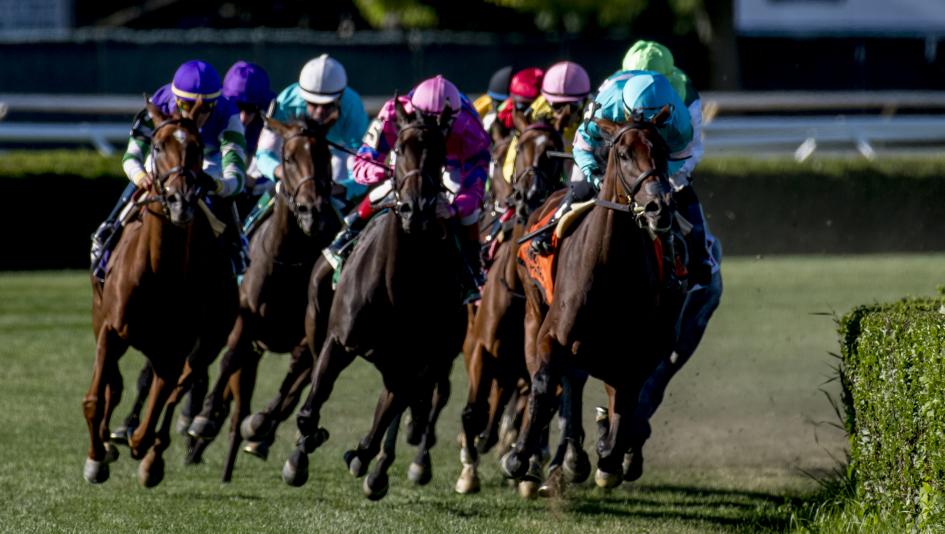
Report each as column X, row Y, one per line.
column 536, row 174
column 636, row 174
column 420, row 156
column 177, row 153
column 306, row 171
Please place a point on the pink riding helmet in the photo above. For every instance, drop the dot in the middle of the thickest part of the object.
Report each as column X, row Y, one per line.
column 436, row 94
column 565, row 82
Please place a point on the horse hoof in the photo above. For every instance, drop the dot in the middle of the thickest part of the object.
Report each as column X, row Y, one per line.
column 259, row 449
column 375, row 487
column 356, row 467
column 120, row 435
column 183, row 424
column 203, row 428
column 468, row 481
column 295, row 470
column 151, row 470
column 607, row 480
column 528, row 489
column 576, row 467
column 111, row 453
column 512, row 465
column 633, row 465
column 313, row 441
column 554, row 485
column 420, row 474
column 251, row 426
column 95, row 472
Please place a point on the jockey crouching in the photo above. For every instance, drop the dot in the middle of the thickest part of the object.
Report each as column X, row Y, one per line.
column 321, row 95
column 637, row 95
column 467, row 164
column 224, row 161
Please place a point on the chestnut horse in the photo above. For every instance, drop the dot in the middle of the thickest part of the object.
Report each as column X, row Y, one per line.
column 169, row 292
column 494, row 346
column 398, row 304
column 612, row 315
column 273, row 292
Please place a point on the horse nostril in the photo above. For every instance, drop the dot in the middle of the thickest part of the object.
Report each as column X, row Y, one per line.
column 653, row 207
column 404, row 208
column 174, row 198
column 304, row 209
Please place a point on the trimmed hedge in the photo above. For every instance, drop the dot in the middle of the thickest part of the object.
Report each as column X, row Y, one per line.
column 893, row 377
column 55, row 199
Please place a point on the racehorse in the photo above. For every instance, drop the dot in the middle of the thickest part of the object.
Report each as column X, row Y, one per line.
column 612, row 314
column 398, row 304
column 494, row 345
column 169, row 293
column 273, row 292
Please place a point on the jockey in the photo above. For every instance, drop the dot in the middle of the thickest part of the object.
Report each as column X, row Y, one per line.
column 524, row 89
column 467, row 163
column 639, row 95
column 564, row 89
column 224, row 158
column 487, row 105
column 247, row 86
column 321, row 94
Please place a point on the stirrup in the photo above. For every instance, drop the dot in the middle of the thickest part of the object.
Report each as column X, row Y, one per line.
column 333, row 258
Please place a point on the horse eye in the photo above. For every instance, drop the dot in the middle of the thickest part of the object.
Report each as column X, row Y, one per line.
column 623, row 154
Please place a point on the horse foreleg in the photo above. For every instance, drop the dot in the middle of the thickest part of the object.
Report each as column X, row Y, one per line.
column 332, row 360
column 479, row 368
column 377, row 482
column 260, row 428
column 612, row 446
column 206, row 425
column 241, row 388
column 545, row 378
column 121, row 434
column 107, row 351
column 389, row 407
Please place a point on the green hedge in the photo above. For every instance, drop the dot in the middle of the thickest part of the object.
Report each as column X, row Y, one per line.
column 55, row 199
column 893, row 376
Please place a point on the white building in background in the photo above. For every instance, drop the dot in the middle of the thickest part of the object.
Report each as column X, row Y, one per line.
column 36, row 14
column 915, row 18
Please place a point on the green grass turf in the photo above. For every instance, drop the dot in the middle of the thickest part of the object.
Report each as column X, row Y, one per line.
column 741, row 425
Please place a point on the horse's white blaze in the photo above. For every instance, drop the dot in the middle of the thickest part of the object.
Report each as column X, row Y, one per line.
column 180, row 135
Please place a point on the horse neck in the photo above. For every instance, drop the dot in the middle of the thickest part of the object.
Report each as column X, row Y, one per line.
column 616, row 233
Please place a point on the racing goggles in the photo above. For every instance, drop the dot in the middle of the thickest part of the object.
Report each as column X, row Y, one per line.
column 187, row 105
column 646, row 113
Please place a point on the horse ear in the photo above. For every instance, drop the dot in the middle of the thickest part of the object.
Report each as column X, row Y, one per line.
column 403, row 118
column 662, row 116
column 155, row 112
column 608, row 128
column 446, row 119
column 279, row 128
column 194, row 110
column 519, row 121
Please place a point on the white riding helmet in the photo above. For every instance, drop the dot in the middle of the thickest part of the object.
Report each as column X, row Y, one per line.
column 322, row 80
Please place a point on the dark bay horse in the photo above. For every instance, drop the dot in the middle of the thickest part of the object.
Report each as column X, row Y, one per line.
column 612, row 314
column 273, row 296
column 169, row 292
column 398, row 304
column 494, row 346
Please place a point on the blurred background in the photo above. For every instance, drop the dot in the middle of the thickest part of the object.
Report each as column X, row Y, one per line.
column 788, row 80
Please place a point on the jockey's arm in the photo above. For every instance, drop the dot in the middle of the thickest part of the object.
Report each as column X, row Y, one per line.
column 695, row 149
column 233, row 158
column 378, row 141
column 468, row 200
column 586, row 138
column 139, row 146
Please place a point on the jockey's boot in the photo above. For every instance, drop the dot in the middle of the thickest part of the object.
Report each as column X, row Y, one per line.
column 337, row 250
column 700, row 266
column 471, row 251
column 107, row 233
column 577, row 192
column 258, row 213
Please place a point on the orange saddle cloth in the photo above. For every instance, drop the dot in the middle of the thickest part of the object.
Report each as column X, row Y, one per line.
column 541, row 269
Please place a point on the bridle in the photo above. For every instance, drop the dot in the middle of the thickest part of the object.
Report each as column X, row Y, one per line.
column 177, row 170
column 290, row 197
column 630, row 188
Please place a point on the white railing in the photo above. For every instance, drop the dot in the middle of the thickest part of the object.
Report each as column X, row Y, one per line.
column 724, row 130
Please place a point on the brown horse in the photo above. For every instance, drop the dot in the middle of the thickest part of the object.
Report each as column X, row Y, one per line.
column 612, row 314
column 398, row 304
column 494, row 345
column 169, row 292
column 273, row 299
